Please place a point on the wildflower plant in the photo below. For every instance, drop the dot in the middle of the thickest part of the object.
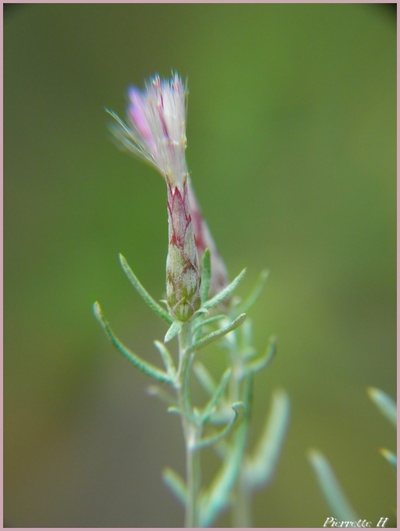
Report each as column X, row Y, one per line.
column 199, row 309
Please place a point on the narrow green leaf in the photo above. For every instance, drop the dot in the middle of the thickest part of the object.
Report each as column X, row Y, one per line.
column 148, row 299
column 262, row 464
column 174, row 409
column 389, row 456
column 204, row 378
column 167, row 358
column 209, row 409
column 172, row 331
column 206, row 340
column 219, row 297
column 249, row 302
column 155, row 390
column 217, row 497
column 246, row 336
column 197, row 326
column 385, row 404
column 247, row 393
column 331, row 489
column 175, row 484
column 261, row 363
column 208, row 441
column 206, row 275
column 142, row 365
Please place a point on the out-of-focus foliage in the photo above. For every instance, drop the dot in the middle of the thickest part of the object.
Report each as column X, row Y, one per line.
column 292, row 149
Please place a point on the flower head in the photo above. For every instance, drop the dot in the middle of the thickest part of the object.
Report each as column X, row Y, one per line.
column 156, row 129
column 156, row 132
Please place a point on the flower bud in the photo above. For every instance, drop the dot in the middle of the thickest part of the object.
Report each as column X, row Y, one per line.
column 183, row 273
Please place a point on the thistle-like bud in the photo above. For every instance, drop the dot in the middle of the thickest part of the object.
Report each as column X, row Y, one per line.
column 157, row 133
column 183, row 275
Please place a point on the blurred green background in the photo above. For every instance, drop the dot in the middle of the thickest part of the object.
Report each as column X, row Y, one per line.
column 292, row 149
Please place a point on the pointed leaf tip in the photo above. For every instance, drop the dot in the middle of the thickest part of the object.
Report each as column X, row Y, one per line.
column 332, row 491
column 385, row 403
column 146, row 368
column 176, row 484
column 219, row 297
column 172, row 331
column 96, row 308
column 148, row 299
column 389, row 456
column 98, row 313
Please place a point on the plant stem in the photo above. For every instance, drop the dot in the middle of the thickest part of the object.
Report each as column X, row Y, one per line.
column 191, row 427
column 241, row 514
column 240, row 390
column 241, row 509
column 193, row 486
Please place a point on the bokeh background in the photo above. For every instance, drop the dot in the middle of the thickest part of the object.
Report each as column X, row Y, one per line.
column 292, row 149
